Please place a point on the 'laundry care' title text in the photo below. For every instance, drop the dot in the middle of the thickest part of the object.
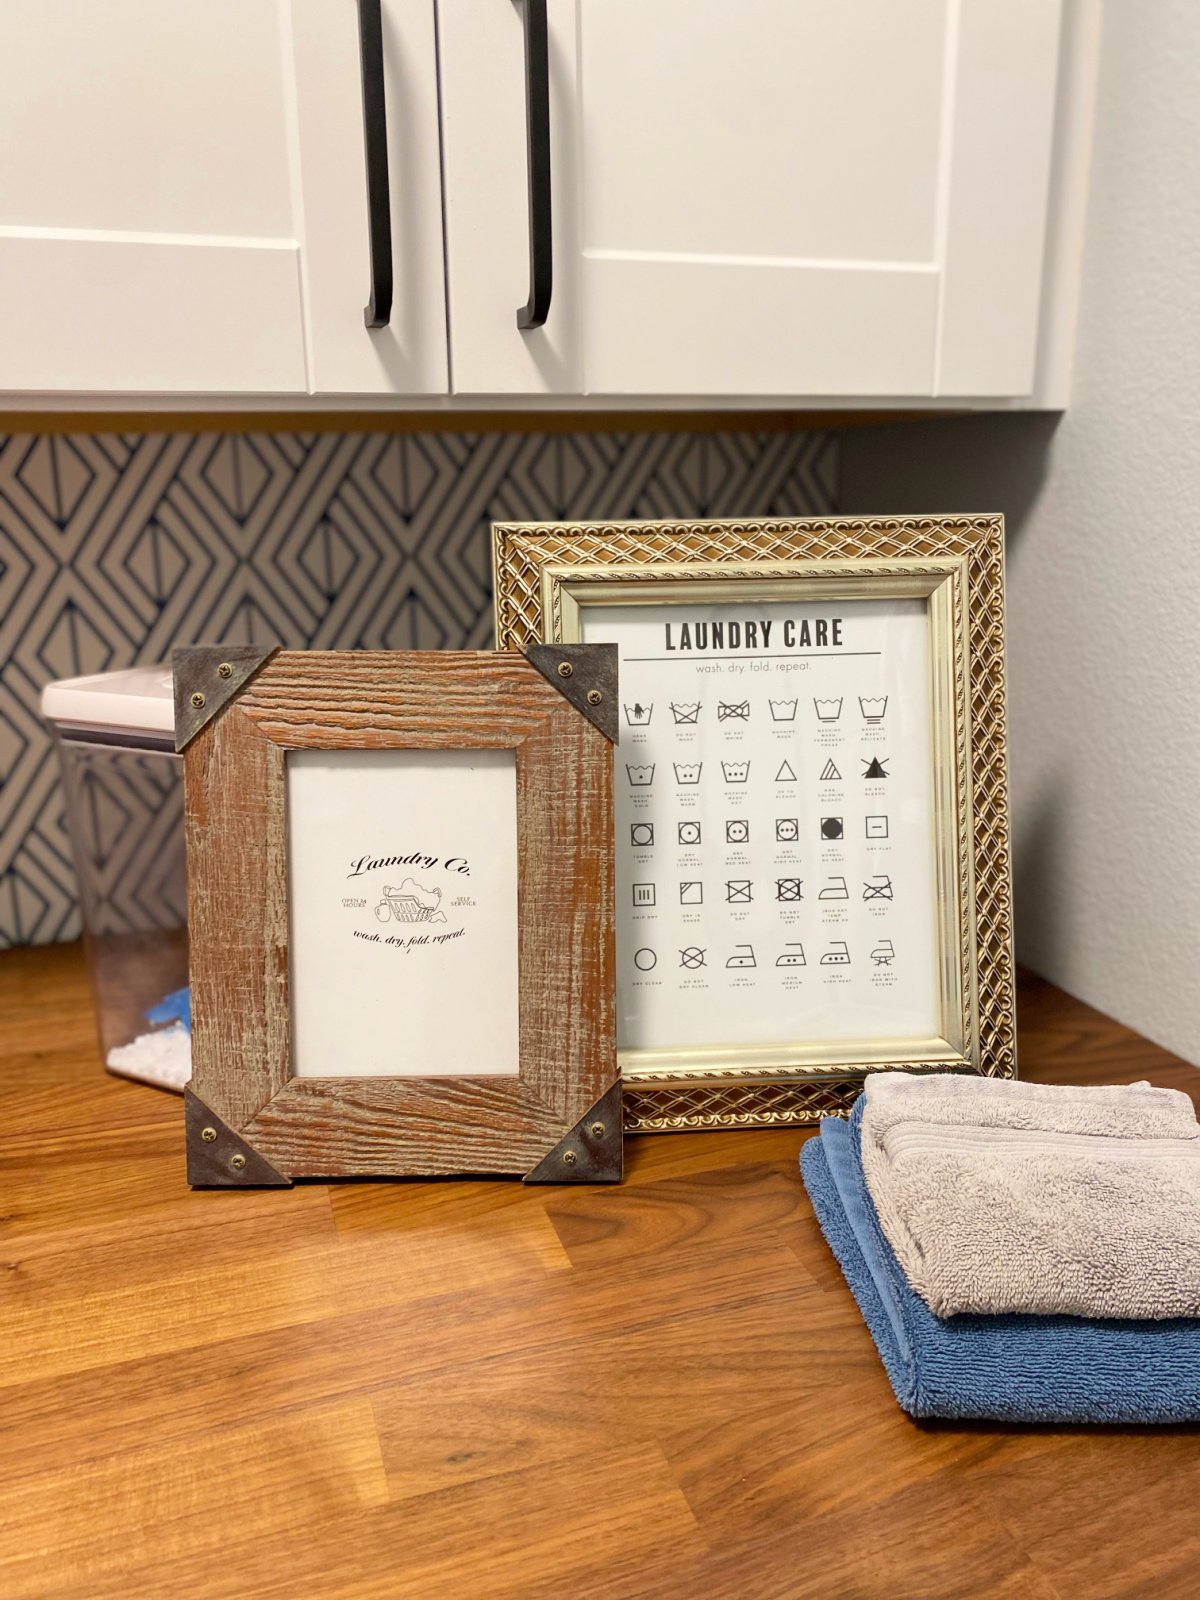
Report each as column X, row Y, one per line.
column 821, row 632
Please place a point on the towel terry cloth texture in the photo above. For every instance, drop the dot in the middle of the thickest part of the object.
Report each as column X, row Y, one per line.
column 1000, row 1196
column 1049, row 1369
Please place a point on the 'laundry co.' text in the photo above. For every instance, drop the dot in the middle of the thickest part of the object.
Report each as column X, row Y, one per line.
column 370, row 863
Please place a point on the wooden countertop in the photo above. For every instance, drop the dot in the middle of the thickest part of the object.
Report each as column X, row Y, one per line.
column 480, row 1390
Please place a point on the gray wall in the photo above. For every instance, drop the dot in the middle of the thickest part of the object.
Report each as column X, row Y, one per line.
column 1103, row 509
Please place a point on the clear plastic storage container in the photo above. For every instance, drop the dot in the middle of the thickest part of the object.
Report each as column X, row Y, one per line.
column 124, row 789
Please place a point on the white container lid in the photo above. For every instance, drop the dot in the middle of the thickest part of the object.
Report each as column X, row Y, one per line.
column 134, row 707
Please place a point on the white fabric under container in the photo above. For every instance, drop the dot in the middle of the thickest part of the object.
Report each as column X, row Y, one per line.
column 124, row 793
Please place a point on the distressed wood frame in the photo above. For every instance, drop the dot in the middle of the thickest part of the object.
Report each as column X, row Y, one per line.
column 249, row 1121
column 545, row 572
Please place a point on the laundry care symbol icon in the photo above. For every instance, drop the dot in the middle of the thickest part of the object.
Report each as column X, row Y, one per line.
column 687, row 774
column 685, row 715
column 640, row 777
column 743, row 956
column 828, row 710
column 783, row 710
column 735, row 771
column 691, row 893
column 638, row 715
column 830, row 773
column 692, row 957
column 873, row 710
column 831, row 828
column 878, row 888
column 687, row 832
column 641, row 835
column 787, row 829
column 733, row 711
column 788, row 889
column 838, row 954
column 875, row 768
column 643, row 894
column 737, row 831
column 737, row 891
column 785, row 774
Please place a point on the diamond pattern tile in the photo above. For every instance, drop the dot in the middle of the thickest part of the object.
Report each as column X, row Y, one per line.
column 116, row 547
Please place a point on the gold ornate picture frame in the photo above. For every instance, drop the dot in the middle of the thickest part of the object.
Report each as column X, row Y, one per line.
column 869, row 639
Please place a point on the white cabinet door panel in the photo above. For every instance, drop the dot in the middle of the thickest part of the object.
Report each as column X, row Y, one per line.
column 186, row 212
column 703, row 326
column 408, row 356
column 486, row 196
column 138, row 314
column 145, row 210
column 754, row 199
column 1000, row 149
column 793, row 132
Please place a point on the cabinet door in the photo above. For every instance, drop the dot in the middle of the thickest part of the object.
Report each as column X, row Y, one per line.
column 408, row 356
column 183, row 203
column 758, row 199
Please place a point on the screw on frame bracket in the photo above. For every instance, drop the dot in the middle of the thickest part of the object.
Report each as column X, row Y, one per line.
column 592, row 1152
column 219, row 1158
column 207, row 677
column 584, row 674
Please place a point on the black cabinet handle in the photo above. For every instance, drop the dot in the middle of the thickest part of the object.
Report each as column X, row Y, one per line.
column 537, row 138
column 379, row 199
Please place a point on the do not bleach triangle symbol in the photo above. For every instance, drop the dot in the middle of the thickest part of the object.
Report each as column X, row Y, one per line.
column 876, row 769
column 830, row 774
column 785, row 774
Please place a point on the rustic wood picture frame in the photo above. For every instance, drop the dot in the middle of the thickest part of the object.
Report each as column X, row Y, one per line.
column 249, row 1120
column 546, row 574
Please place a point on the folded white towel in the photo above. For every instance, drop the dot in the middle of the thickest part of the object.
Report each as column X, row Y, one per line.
column 1000, row 1196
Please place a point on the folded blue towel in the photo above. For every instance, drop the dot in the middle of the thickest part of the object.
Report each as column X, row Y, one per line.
column 1010, row 1368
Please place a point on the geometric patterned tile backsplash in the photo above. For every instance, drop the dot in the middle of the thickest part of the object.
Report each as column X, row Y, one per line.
column 116, row 547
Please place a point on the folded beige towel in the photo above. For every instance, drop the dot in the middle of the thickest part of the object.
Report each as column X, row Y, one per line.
column 1000, row 1196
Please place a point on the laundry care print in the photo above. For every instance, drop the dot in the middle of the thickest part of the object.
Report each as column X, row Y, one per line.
column 776, row 879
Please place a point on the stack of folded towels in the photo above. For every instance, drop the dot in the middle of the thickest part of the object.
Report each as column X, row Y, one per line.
column 1020, row 1251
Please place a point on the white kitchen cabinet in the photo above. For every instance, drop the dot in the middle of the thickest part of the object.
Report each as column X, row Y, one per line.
column 781, row 202
column 753, row 200
column 183, row 200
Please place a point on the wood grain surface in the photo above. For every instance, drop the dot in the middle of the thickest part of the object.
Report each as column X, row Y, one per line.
column 476, row 1389
column 238, row 914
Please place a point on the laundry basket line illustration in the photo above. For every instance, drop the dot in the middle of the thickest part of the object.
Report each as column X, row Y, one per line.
column 402, row 907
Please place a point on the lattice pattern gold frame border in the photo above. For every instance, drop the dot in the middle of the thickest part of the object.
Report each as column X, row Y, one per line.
column 522, row 550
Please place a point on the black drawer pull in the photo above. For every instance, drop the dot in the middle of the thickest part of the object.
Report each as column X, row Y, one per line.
column 537, row 139
column 379, row 199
